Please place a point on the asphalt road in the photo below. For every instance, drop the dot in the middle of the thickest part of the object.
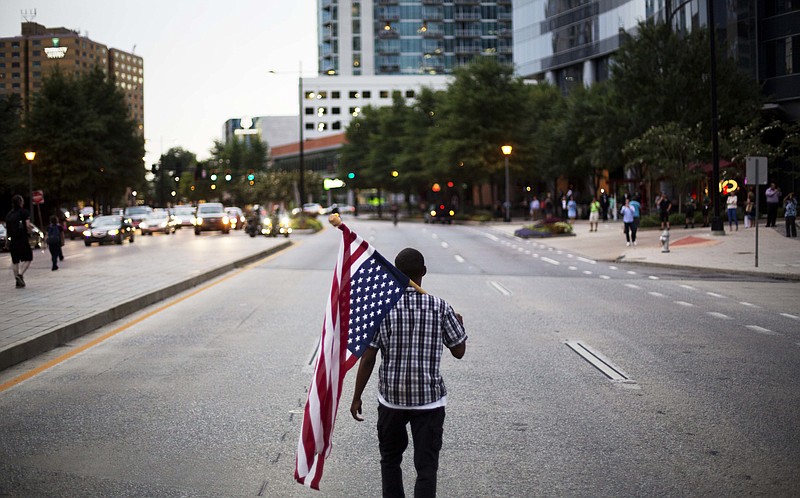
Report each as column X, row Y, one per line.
column 201, row 395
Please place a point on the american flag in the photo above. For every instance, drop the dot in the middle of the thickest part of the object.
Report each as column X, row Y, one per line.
column 365, row 286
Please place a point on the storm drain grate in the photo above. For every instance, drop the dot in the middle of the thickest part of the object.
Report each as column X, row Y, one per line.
column 608, row 369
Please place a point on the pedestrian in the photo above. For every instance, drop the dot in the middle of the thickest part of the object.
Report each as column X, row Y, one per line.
column 732, row 215
column 604, row 204
column 690, row 207
column 410, row 385
column 547, row 206
column 706, row 209
column 535, row 206
column 55, row 239
column 594, row 214
column 563, row 206
column 664, row 207
column 572, row 210
column 637, row 211
column 790, row 214
column 627, row 218
column 18, row 226
column 749, row 211
column 773, row 199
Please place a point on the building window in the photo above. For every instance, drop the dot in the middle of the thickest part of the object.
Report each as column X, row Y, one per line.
column 309, row 126
column 321, row 111
column 409, row 94
column 335, row 95
column 37, row 63
column 355, row 111
column 36, row 43
column 367, row 94
column 310, row 111
column 321, row 126
column 15, row 75
column 37, row 53
column 384, row 94
column 336, row 110
column 355, row 95
column 14, row 85
column 336, row 125
column 15, row 54
column 15, row 64
column 15, row 44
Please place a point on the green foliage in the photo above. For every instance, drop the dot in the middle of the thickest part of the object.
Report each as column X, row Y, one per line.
column 87, row 147
column 11, row 147
column 305, row 222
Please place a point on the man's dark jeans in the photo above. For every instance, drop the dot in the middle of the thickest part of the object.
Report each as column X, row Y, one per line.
column 427, row 427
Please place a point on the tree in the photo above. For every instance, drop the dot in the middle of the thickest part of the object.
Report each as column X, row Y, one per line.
column 87, row 146
column 12, row 173
column 175, row 163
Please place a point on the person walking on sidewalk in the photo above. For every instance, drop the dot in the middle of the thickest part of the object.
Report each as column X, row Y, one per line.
column 749, row 211
column 594, row 215
column 55, row 239
column 690, row 207
column 637, row 211
column 732, row 215
column 18, row 226
column 664, row 207
column 572, row 210
column 410, row 387
column 790, row 214
column 630, row 226
column 773, row 199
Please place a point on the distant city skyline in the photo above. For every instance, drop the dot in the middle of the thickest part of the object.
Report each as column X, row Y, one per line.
column 204, row 62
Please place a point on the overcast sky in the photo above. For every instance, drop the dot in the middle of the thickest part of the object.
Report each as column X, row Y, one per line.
column 204, row 61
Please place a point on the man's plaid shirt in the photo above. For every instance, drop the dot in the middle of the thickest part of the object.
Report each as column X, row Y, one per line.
column 410, row 339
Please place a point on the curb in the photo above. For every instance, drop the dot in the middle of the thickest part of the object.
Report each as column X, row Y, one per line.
column 51, row 339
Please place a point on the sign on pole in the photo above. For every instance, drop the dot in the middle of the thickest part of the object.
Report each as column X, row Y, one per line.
column 756, row 174
column 38, row 197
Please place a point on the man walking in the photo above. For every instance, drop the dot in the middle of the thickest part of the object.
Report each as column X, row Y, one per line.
column 411, row 388
column 18, row 225
column 773, row 201
column 664, row 207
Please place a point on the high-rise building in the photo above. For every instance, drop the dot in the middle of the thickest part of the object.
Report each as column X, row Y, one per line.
column 369, row 50
column 410, row 37
column 567, row 42
column 27, row 59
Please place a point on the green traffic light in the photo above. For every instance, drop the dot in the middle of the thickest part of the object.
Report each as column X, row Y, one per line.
column 351, row 175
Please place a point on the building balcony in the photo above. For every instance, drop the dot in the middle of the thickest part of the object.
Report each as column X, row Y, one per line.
column 388, row 51
column 432, row 2
column 433, row 33
column 388, row 2
column 388, row 16
column 432, row 16
column 504, row 32
column 467, row 2
column 504, row 16
column 468, row 49
column 389, row 68
column 505, row 50
column 468, row 33
column 468, row 16
column 388, row 33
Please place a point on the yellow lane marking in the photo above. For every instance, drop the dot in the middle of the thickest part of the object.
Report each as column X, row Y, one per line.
column 94, row 342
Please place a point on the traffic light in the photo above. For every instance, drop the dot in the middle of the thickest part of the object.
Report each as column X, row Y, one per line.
column 351, row 175
column 436, row 187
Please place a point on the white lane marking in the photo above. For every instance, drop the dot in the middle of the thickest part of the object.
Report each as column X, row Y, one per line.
column 716, row 314
column 527, row 251
column 585, row 260
column 613, row 268
column 761, row 330
column 459, row 258
column 573, row 268
column 492, row 237
column 793, row 317
column 599, row 361
column 744, row 303
column 632, row 286
column 714, row 294
column 500, row 288
column 535, row 255
column 551, row 261
column 651, row 277
column 587, row 272
column 434, row 236
column 559, row 252
column 687, row 287
column 520, row 249
column 656, row 294
column 684, row 303
column 445, row 245
column 605, row 277
column 631, row 272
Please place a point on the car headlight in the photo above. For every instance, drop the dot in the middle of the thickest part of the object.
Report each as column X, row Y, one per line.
column 143, row 225
column 113, row 231
column 198, row 221
column 452, row 213
column 225, row 220
column 285, row 220
column 87, row 233
column 433, row 213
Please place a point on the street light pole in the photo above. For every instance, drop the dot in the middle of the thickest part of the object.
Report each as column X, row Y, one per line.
column 30, row 155
column 716, row 220
column 301, row 172
column 507, row 211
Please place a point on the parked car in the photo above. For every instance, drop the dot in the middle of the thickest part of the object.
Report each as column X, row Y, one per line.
column 211, row 216
column 236, row 217
column 183, row 216
column 137, row 213
column 75, row 227
column 109, row 229
column 35, row 237
column 310, row 208
column 160, row 221
column 439, row 213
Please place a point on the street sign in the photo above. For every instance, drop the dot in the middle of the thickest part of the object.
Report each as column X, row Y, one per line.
column 38, row 197
column 756, row 170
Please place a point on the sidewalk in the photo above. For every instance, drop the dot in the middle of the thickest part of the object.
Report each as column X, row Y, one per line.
column 90, row 291
column 734, row 252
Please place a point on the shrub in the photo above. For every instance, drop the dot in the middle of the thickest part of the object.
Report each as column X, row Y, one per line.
column 302, row 222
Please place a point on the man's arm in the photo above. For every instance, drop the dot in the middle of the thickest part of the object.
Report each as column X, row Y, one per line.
column 459, row 349
column 365, row 367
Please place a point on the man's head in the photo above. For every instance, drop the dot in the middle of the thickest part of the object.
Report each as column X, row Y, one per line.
column 17, row 201
column 411, row 263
